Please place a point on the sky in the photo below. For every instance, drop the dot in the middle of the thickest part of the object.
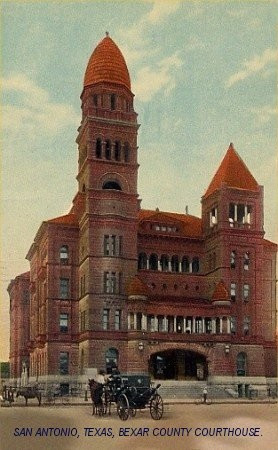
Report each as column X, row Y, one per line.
column 204, row 74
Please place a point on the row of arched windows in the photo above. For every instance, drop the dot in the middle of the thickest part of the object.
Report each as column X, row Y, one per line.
column 168, row 264
column 115, row 151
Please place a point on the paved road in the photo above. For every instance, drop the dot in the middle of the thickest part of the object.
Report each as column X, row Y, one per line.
column 185, row 420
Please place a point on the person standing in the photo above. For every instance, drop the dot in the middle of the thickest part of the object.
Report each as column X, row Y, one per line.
column 205, row 394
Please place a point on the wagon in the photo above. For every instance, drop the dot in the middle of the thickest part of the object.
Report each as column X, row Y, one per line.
column 137, row 393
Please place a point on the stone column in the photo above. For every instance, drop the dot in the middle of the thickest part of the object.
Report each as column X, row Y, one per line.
column 175, row 324
column 144, row 322
column 193, row 330
column 165, row 323
column 128, row 321
column 203, row 325
column 135, row 321
column 184, row 324
column 169, row 266
column 190, row 267
column 213, row 325
column 221, row 325
column 180, row 266
column 148, row 263
column 228, row 325
column 155, row 323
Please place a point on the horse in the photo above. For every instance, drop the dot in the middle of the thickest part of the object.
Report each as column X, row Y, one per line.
column 29, row 392
column 100, row 398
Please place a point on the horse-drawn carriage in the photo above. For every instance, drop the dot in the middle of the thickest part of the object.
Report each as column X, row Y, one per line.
column 129, row 393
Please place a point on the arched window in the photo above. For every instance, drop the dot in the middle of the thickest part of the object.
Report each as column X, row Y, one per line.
column 195, row 265
column 185, row 264
column 117, row 151
column 233, row 259
column 126, row 152
column 142, row 261
column 164, row 262
column 95, row 99
column 108, row 149
column 175, row 263
column 112, row 185
column 98, row 148
column 241, row 364
column 64, row 254
column 111, row 360
column 153, row 262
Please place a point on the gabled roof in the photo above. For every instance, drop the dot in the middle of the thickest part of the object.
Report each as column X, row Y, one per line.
column 188, row 225
column 234, row 173
column 67, row 219
column 107, row 64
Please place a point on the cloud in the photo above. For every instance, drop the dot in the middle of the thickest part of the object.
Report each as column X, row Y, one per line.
column 161, row 10
column 254, row 65
column 265, row 113
column 32, row 110
column 151, row 80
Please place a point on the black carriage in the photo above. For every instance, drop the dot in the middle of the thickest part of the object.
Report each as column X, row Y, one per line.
column 136, row 392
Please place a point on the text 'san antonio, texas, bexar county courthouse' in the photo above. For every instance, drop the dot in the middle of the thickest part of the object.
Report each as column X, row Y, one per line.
column 113, row 285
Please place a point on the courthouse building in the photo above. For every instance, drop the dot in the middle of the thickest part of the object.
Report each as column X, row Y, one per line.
column 113, row 285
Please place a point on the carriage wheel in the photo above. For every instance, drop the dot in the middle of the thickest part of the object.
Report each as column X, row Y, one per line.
column 156, row 407
column 123, row 407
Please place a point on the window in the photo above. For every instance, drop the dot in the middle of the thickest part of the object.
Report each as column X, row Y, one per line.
column 112, row 185
column 108, row 149
column 150, row 323
column 105, row 319
column 246, row 261
column 98, row 148
column 120, row 245
column 246, row 326
column 117, row 151
column 213, row 217
column 185, row 264
column 113, row 245
column 153, row 262
column 106, row 282
column 113, row 282
column 118, row 319
column 195, row 265
column 164, row 263
column 64, row 322
column 106, row 246
column 233, row 325
column 64, row 288
column 175, row 263
column 64, row 254
column 64, row 363
column 240, row 214
column 120, row 283
column 233, row 259
column 82, row 285
column 241, row 364
column 246, row 292
column 109, row 282
column 233, row 292
column 111, row 358
column 95, row 99
column 113, row 101
column 139, row 321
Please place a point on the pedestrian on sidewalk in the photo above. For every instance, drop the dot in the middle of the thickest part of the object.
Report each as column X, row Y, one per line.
column 205, row 394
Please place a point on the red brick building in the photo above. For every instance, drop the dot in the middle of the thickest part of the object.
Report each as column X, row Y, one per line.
column 111, row 284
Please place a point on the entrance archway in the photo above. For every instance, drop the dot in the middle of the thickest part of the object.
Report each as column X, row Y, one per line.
column 178, row 365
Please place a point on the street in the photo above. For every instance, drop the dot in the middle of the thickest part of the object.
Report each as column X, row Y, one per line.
column 190, row 426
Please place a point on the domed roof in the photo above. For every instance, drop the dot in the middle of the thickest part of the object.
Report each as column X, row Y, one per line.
column 107, row 64
column 137, row 287
column 220, row 292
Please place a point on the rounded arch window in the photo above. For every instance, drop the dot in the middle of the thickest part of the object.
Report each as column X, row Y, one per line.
column 164, row 262
column 175, row 263
column 112, row 185
column 126, row 152
column 117, row 151
column 111, row 360
column 113, row 101
column 108, row 149
column 142, row 261
column 241, row 362
column 153, row 262
column 195, row 265
column 185, row 264
column 98, row 148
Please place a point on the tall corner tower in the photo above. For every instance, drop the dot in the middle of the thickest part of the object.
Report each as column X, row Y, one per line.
column 107, row 178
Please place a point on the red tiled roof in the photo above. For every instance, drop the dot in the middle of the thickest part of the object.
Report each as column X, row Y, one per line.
column 107, row 64
column 137, row 287
column 188, row 225
column 68, row 219
column 234, row 173
column 220, row 292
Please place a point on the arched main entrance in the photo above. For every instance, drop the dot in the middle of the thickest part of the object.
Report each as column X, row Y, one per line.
column 178, row 365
